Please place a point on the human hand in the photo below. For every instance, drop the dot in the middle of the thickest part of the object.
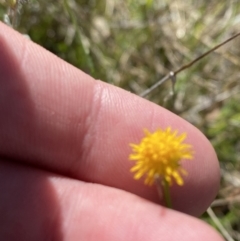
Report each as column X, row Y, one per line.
column 64, row 146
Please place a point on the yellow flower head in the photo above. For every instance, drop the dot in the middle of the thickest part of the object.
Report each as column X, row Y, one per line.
column 159, row 154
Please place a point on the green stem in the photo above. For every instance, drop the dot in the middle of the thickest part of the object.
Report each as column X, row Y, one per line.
column 163, row 190
column 166, row 194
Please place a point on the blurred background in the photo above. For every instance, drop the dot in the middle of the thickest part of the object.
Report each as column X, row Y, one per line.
column 134, row 43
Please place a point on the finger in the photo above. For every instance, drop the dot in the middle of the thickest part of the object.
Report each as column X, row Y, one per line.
column 58, row 118
column 37, row 205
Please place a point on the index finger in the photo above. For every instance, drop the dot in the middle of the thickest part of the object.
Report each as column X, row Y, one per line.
column 55, row 117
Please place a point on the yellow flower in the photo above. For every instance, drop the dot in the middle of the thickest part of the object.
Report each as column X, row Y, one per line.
column 159, row 154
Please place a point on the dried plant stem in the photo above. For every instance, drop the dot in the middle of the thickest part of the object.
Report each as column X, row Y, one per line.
column 216, row 221
column 153, row 87
column 205, row 54
column 14, row 15
column 173, row 74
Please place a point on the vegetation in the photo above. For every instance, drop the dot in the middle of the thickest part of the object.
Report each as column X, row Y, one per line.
column 134, row 43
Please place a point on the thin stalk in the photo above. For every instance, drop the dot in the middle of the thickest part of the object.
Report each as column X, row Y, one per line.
column 163, row 190
column 173, row 74
column 166, row 194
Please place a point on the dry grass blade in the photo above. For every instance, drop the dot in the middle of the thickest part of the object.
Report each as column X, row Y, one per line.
column 216, row 221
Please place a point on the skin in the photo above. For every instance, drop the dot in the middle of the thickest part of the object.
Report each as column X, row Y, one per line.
column 64, row 147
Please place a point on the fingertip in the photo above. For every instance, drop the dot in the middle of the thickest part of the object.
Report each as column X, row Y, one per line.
column 202, row 182
column 136, row 114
